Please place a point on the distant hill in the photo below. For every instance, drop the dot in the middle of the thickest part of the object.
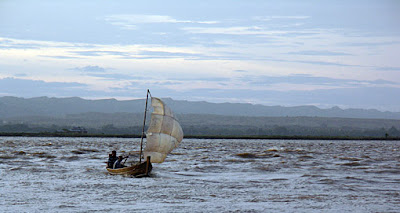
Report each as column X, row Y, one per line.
column 110, row 116
column 240, row 109
column 206, row 124
column 59, row 107
column 11, row 107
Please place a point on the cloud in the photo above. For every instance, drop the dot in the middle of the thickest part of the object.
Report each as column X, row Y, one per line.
column 104, row 73
column 6, row 43
column 269, row 18
column 130, row 21
column 12, row 43
column 113, row 76
column 20, row 75
column 241, row 71
column 311, row 82
column 100, row 53
column 380, row 81
column 64, row 50
column 321, row 53
column 166, row 54
column 236, row 30
column 143, row 19
column 33, row 88
column 91, row 69
column 388, row 68
column 370, row 43
column 198, row 79
column 326, row 63
column 60, row 57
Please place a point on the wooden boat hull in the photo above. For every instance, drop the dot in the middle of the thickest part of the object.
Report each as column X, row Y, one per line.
column 135, row 170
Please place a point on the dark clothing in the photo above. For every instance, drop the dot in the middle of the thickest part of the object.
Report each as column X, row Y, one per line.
column 111, row 161
column 118, row 164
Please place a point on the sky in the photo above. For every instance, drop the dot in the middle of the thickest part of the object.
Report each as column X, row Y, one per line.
column 285, row 52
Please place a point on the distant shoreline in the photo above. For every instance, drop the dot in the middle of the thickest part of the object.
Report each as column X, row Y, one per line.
column 244, row 137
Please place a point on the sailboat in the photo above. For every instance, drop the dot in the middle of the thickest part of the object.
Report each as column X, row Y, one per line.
column 163, row 135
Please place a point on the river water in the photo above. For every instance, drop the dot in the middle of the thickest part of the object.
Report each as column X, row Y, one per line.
column 68, row 175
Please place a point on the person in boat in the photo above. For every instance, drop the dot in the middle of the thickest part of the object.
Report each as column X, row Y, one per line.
column 112, row 158
column 118, row 164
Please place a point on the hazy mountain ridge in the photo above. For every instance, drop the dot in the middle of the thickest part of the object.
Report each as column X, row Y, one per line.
column 206, row 124
column 97, row 120
column 241, row 109
column 110, row 116
column 44, row 106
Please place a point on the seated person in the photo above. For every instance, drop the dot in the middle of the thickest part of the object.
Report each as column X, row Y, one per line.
column 111, row 159
column 118, row 164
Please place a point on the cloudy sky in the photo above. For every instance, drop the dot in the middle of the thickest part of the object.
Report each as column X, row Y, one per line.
column 323, row 53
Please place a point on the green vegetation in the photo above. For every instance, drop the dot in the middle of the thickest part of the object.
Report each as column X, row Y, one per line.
column 255, row 137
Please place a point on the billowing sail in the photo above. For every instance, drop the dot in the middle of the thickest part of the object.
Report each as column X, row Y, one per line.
column 164, row 133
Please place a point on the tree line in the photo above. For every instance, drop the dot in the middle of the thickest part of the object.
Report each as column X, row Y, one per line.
column 219, row 130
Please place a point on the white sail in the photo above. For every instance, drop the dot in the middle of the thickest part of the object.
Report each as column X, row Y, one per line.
column 164, row 133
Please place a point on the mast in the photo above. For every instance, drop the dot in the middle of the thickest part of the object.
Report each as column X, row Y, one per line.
column 144, row 123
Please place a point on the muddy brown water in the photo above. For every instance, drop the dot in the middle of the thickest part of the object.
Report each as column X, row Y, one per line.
column 68, row 175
